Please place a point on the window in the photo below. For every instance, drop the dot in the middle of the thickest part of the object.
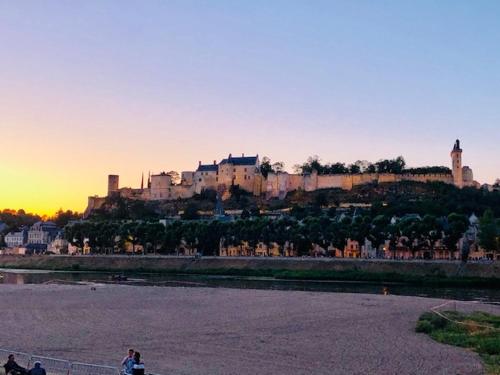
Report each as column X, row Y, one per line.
column 234, row 170
column 245, row 169
column 216, row 179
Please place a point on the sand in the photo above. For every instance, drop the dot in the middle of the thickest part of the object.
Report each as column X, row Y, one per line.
column 228, row 331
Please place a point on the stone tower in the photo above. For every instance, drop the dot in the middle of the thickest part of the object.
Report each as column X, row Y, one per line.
column 113, row 183
column 456, row 165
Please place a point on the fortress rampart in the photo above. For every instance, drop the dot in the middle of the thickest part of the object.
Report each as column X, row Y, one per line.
column 245, row 172
column 277, row 185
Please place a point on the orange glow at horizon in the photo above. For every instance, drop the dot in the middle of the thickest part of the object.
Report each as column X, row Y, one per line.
column 94, row 88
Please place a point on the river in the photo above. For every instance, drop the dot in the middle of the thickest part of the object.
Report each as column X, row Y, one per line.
column 236, row 282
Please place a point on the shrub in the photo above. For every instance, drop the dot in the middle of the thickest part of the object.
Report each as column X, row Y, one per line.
column 490, row 345
column 424, row 326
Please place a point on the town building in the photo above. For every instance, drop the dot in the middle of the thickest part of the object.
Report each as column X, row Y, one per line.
column 16, row 239
column 42, row 233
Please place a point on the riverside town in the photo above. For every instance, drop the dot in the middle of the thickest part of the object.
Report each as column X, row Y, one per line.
column 244, row 207
column 214, row 187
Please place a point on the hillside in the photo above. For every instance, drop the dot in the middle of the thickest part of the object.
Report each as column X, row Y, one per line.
column 389, row 198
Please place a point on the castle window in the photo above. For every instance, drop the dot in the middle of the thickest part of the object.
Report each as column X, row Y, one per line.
column 245, row 169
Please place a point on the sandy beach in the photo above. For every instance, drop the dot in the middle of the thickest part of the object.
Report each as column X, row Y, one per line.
column 228, row 331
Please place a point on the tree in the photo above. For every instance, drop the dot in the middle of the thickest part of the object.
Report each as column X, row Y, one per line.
column 61, row 218
column 278, row 166
column 190, row 212
column 321, row 199
column 488, row 231
column 336, row 168
column 391, row 166
column 265, row 166
column 457, row 225
column 175, row 177
column 354, row 169
column 245, row 214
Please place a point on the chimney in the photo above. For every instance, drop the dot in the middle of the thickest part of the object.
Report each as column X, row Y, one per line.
column 215, row 162
column 229, row 157
column 199, row 163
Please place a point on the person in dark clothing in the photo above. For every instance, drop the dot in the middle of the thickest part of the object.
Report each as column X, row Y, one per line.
column 37, row 370
column 12, row 368
column 138, row 368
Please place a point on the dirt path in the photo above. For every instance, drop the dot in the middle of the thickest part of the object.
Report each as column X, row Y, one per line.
column 228, row 331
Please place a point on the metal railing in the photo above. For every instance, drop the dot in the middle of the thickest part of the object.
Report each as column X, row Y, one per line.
column 55, row 366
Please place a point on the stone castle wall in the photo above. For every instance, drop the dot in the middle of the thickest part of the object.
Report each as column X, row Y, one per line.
column 277, row 185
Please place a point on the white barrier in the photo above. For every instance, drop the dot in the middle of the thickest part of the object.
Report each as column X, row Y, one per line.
column 78, row 368
column 22, row 359
column 439, row 310
column 55, row 366
column 52, row 366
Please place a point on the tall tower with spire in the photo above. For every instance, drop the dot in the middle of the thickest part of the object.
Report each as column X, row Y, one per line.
column 456, row 165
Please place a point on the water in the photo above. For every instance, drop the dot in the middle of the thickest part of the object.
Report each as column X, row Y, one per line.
column 209, row 281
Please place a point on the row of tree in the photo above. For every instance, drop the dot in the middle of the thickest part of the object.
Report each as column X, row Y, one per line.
column 313, row 163
column 206, row 236
column 15, row 219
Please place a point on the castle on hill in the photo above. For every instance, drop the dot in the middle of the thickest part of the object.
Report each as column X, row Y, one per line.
column 244, row 171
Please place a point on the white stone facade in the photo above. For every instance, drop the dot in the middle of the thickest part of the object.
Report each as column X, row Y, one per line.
column 244, row 171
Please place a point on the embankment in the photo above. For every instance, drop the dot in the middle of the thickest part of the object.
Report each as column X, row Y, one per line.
column 485, row 274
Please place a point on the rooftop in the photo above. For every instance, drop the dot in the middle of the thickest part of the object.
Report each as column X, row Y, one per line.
column 242, row 160
column 207, row 168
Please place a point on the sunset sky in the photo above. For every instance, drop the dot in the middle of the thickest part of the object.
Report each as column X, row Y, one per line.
column 89, row 88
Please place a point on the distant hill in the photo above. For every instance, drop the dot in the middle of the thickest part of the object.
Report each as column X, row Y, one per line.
column 390, row 198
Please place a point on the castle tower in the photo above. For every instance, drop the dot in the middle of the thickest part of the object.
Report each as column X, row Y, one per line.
column 113, row 183
column 456, row 165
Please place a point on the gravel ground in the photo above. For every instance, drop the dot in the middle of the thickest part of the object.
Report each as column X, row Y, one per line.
column 228, row 331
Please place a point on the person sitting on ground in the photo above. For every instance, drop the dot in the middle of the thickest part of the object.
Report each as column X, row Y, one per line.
column 37, row 369
column 128, row 362
column 12, row 368
column 138, row 368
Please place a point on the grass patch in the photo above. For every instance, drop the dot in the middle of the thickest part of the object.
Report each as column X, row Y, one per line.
column 480, row 332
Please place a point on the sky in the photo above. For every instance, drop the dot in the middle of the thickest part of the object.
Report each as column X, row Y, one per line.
column 91, row 88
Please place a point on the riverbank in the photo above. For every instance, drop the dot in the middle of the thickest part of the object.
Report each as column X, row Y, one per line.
column 416, row 272
column 229, row 331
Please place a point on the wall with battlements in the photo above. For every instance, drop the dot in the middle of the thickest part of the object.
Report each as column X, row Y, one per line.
column 245, row 172
column 278, row 184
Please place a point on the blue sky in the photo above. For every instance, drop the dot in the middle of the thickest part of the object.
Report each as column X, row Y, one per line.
column 126, row 86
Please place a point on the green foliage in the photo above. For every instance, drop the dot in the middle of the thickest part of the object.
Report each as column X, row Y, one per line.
column 266, row 167
column 423, row 326
column 478, row 331
column 61, row 218
column 489, row 231
column 428, row 170
column 191, row 212
column 16, row 219
column 313, row 163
